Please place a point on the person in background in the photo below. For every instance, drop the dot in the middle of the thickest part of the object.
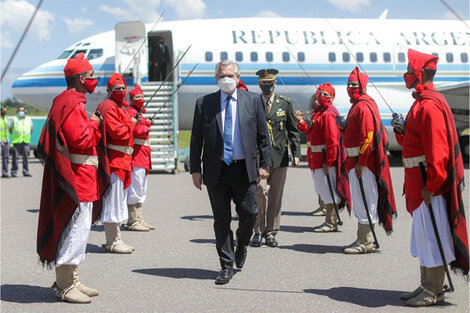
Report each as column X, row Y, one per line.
column 5, row 141
column 21, row 127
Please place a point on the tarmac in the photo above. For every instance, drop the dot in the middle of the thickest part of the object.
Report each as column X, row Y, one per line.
column 174, row 267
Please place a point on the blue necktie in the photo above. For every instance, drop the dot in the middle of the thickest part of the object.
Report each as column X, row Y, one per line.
column 228, row 151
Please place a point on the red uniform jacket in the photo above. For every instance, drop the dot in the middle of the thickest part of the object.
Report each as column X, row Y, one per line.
column 82, row 137
column 305, row 128
column 141, row 155
column 119, row 130
column 366, row 131
column 430, row 131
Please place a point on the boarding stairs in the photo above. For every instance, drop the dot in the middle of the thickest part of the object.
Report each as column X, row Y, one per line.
column 164, row 129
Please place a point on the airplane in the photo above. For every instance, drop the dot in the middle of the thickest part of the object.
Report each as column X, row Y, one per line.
column 306, row 51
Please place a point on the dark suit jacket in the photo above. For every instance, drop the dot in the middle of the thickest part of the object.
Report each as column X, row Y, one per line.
column 207, row 135
column 160, row 56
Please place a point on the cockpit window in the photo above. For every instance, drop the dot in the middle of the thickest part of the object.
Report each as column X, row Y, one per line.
column 65, row 54
column 77, row 52
column 95, row 53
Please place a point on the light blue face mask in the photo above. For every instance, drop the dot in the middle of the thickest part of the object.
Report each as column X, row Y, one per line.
column 21, row 113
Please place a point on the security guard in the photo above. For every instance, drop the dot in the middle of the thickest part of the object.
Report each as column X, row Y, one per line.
column 5, row 140
column 21, row 127
column 282, row 128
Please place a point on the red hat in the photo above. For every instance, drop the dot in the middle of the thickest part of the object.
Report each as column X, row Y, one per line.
column 241, row 85
column 328, row 88
column 116, row 79
column 419, row 60
column 136, row 91
column 359, row 77
column 77, row 65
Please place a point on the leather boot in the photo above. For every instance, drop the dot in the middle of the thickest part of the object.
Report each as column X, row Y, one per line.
column 417, row 291
column 83, row 289
column 365, row 241
column 432, row 292
column 140, row 217
column 114, row 243
column 133, row 223
column 331, row 220
column 66, row 289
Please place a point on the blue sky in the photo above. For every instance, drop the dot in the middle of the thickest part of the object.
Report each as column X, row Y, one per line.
column 63, row 22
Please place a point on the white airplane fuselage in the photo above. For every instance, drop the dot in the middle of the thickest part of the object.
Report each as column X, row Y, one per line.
column 307, row 52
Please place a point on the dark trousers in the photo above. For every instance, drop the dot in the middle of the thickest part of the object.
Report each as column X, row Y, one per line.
column 160, row 71
column 23, row 149
column 5, row 157
column 233, row 185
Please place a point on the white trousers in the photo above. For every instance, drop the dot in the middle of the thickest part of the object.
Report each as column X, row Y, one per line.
column 115, row 204
column 137, row 191
column 321, row 185
column 423, row 240
column 371, row 195
column 73, row 248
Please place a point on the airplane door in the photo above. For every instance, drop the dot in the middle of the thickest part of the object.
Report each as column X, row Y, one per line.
column 400, row 59
column 129, row 60
column 160, row 55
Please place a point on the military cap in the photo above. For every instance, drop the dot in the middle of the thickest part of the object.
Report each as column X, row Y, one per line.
column 267, row 74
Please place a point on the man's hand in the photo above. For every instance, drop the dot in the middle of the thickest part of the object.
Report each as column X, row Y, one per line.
column 326, row 168
column 427, row 195
column 296, row 162
column 197, row 180
column 298, row 116
column 134, row 120
column 341, row 122
column 359, row 168
column 96, row 118
column 263, row 173
column 398, row 123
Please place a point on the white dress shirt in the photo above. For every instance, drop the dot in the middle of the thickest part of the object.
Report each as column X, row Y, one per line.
column 237, row 145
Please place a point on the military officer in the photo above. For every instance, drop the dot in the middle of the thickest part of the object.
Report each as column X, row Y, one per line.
column 282, row 129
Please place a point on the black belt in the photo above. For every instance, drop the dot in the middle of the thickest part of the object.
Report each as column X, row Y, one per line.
column 234, row 162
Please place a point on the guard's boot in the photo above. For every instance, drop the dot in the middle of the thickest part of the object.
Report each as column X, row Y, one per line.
column 66, row 289
column 433, row 289
column 114, row 243
column 417, row 291
column 365, row 241
column 321, row 211
column 331, row 220
column 133, row 223
column 84, row 289
column 140, row 217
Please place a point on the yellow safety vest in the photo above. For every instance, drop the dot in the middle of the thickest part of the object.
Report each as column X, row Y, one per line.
column 21, row 130
column 4, row 125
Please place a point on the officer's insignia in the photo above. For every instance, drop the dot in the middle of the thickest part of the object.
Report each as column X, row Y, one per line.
column 281, row 113
column 277, row 100
column 286, row 98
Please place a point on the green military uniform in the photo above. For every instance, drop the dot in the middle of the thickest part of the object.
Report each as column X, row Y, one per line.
column 282, row 128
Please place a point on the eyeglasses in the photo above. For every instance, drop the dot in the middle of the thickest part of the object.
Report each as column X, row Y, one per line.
column 119, row 89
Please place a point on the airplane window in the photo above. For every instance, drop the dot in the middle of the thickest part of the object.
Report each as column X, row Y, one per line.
column 360, row 57
column 387, row 57
column 373, row 57
column 301, row 57
column 332, row 57
column 346, row 57
column 254, row 56
column 285, row 56
column 223, row 56
column 464, row 57
column 269, row 56
column 435, row 54
column 238, row 56
column 449, row 57
column 77, row 52
column 401, row 57
column 65, row 54
column 86, row 44
column 95, row 53
column 209, row 56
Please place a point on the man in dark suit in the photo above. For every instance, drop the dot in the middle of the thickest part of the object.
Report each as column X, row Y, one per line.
column 229, row 130
column 161, row 57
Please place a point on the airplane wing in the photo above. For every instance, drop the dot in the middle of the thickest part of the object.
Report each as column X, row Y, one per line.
column 457, row 97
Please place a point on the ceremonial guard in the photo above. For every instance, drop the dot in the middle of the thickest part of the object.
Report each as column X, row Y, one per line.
column 365, row 140
column 116, row 147
column 141, row 163
column 67, row 148
column 326, row 156
column 5, row 140
column 433, row 182
column 282, row 129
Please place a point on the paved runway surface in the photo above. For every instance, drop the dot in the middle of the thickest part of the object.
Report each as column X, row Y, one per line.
column 174, row 267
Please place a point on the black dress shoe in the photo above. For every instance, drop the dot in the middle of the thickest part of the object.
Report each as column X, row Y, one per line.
column 240, row 255
column 224, row 276
column 5, row 176
column 257, row 240
column 27, row 175
column 13, row 175
column 271, row 241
